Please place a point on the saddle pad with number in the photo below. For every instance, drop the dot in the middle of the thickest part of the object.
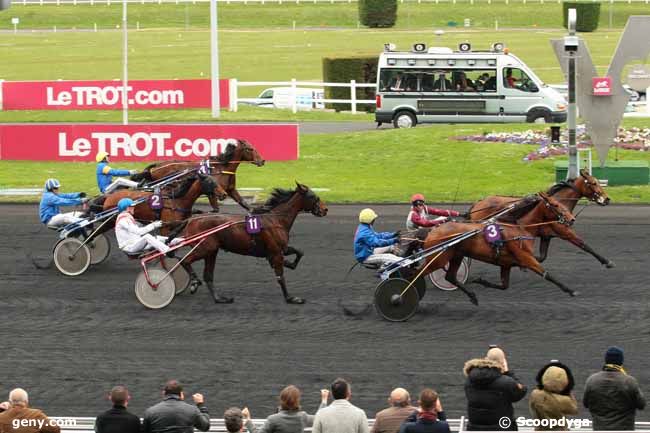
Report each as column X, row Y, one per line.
column 204, row 167
column 253, row 224
column 492, row 234
column 155, row 201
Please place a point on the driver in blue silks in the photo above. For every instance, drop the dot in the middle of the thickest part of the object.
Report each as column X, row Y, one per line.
column 371, row 247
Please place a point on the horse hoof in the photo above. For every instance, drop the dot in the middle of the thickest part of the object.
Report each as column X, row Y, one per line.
column 573, row 293
column 223, row 300
column 194, row 286
column 473, row 299
column 295, row 300
column 610, row 264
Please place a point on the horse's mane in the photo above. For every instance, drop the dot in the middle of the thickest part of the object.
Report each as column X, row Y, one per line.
column 278, row 196
column 182, row 189
column 524, row 206
column 227, row 154
column 560, row 186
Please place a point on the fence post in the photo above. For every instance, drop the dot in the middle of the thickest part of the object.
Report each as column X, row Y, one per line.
column 353, row 95
column 232, row 90
column 294, row 103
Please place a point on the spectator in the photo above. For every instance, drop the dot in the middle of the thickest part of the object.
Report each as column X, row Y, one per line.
column 173, row 415
column 118, row 419
column 491, row 388
column 234, row 420
column 289, row 419
column 553, row 398
column 442, row 84
column 4, row 406
column 430, row 418
column 612, row 396
column 341, row 416
column 389, row 420
column 31, row 420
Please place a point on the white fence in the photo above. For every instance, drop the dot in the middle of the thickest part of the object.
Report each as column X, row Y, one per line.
column 294, row 84
column 109, row 2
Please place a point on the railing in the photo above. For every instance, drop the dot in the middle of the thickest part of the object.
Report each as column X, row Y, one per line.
column 109, row 2
column 294, row 84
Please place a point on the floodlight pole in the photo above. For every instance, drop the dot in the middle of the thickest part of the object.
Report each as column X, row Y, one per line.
column 571, row 46
column 125, row 69
column 214, row 57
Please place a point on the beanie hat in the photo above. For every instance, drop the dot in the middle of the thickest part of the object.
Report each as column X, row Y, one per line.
column 614, row 355
column 555, row 379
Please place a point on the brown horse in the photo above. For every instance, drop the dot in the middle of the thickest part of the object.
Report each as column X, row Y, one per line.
column 176, row 201
column 515, row 249
column 222, row 167
column 568, row 193
column 276, row 218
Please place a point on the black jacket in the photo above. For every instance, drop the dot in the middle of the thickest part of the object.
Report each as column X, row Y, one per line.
column 414, row 425
column 117, row 420
column 490, row 395
column 613, row 397
column 172, row 415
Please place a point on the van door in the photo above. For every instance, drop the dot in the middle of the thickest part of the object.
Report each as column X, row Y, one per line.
column 520, row 94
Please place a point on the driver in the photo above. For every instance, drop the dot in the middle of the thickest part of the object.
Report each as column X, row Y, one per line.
column 132, row 238
column 48, row 210
column 105, row 175
column 420, row 212
column 371, row 247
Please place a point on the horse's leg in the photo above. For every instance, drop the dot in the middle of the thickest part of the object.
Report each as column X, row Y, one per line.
column 528, row 261
column 505, row 280
column 454, row 265
column 277, row 263
column 293, row 251
column 544, row 243
column 195, row 282
column 234, row 194
column 571, row 236
column 208, row 277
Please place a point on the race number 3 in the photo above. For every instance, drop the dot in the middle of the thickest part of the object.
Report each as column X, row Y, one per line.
column 253, row 224
column 492, row 233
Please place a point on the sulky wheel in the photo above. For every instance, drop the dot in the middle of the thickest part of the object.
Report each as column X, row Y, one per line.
column 437, row 277
column 154, row 297
column 180, row 275
column 393, row 303
column 71, row 257
column 420, row 284
column 100, row 249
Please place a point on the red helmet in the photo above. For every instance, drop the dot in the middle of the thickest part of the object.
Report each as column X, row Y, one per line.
column 417, row 197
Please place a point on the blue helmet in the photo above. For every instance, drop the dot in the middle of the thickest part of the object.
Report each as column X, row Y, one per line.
column 124, row 203
column 51, row 184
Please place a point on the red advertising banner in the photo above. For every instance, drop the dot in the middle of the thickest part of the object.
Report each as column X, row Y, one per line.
column 602, row 86
column 107, row 95
column 142, row 142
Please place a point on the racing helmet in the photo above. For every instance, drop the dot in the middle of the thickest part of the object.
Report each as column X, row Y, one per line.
column 367, row 216
column 51, row 184
column 124, row 203
column 101, row 156
column 417, row 197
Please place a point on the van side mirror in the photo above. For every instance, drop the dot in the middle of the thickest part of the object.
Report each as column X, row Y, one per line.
column 4, row 4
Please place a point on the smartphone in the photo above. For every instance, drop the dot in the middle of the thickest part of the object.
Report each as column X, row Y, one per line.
column 493, row 346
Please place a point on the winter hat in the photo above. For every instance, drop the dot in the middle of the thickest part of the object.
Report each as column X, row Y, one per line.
column 555, row 379
column 614, row 355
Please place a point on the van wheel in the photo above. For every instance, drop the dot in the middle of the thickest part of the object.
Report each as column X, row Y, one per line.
column 539, row 116
column 404, row 119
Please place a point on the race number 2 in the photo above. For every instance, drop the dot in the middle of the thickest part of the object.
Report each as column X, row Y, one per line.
column 155, row 201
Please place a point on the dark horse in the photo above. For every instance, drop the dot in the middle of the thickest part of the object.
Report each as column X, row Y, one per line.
column 272, row 242
column 222, row 167
column 568, row 193
column 539, row 215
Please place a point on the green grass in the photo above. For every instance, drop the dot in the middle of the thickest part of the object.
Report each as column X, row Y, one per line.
column 374, row 166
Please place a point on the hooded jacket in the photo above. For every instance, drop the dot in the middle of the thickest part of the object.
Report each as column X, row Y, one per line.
column 553, row 399
column 490, row 395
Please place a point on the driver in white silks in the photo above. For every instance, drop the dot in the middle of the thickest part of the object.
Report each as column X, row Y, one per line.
column 132, row 238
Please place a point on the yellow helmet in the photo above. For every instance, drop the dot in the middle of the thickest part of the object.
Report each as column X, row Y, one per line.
column 367, row 216
column 100, row 156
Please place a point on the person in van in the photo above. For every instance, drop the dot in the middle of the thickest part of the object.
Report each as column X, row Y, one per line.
column 462, row 83
column 442, row 84
column 426, row 83
column 491, row 84
column 509, row 80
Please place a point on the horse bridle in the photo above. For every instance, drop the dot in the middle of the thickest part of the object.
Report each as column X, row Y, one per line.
column 595, row 195
column 559, row 214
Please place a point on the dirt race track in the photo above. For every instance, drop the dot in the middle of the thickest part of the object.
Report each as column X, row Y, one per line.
column 68, row 340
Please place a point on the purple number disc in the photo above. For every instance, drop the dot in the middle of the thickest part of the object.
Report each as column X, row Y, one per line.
column 155, row 201
column 492, row 233
column 253, row 224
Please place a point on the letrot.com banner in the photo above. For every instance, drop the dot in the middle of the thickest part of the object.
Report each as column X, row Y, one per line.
column 107, row 95
column 275, row 142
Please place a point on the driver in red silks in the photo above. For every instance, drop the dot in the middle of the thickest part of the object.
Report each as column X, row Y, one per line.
column 420, row 213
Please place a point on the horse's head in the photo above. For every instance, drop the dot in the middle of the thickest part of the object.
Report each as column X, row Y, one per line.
column 211, row 188
column 310, row 201
column 590, row 188
column 556, row 211
column 247, row 152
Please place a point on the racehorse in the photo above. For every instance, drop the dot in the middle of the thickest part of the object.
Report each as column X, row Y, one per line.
column 222, row 167
column 543, row 216
column 568, row 193
column 276, row 218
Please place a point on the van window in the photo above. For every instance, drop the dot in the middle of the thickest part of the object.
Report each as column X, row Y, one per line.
column 438, row 80
column 515, row 78
column 267, row 94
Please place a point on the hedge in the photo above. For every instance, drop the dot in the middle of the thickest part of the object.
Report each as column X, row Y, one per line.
column 378, row 13
column 588, row 15
column 344, row 69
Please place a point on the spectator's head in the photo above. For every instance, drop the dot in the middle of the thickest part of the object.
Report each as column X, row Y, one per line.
column 399, row 397
column 341, row 389
column 497, row 355
column 233, row 419
column 173, row 387
column 428, row 399
column 120, row 396
column 508, row 72
column 290, row 398
column 555, row 379
column 19, row 397
column 614, row 355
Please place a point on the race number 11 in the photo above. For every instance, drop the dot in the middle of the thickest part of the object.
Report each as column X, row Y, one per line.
column 253, row 224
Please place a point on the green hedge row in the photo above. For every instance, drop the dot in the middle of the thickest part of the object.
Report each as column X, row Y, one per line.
column 344, row 69
column 588, row 15
column 378, row 13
